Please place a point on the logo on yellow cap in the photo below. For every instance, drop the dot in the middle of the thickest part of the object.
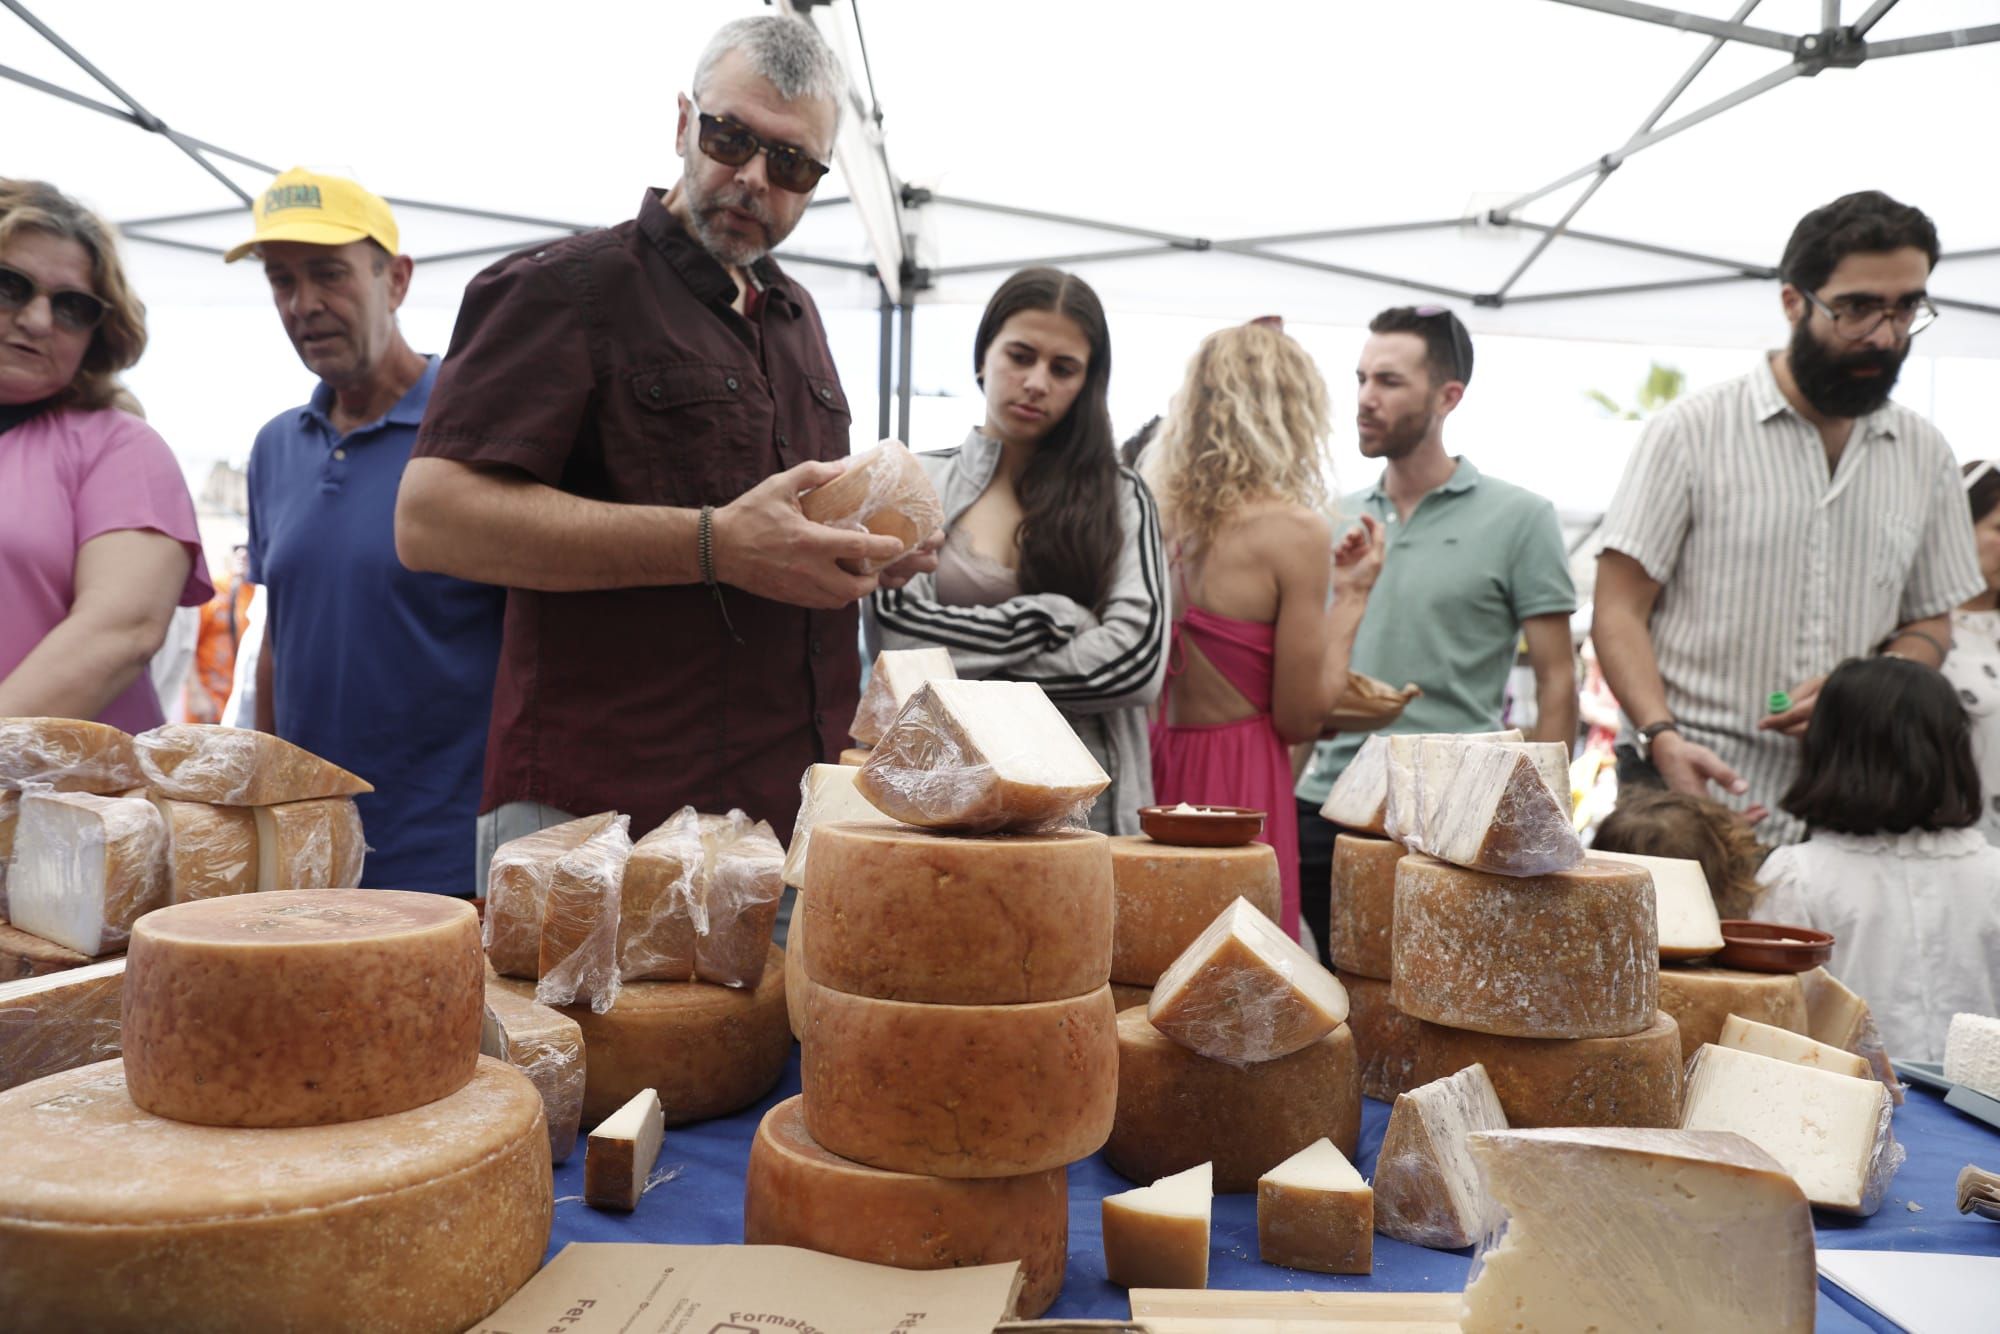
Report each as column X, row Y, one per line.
column 315, row 209
column 291, row 196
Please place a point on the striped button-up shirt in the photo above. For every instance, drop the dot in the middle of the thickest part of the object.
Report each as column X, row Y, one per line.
column 1773, row 570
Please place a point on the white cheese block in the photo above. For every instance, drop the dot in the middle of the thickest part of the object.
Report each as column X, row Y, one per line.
column 979, row 757
column 1315, row 1212
column 86, row 867
column 59, row 1021
column 621, row 1152
column 1784, row 1045
column 1399, row 808
column 1690, row 928
column 1360, row 796
column 314, row 844
column 1831, row 1132
column 232, row 766
column 1244, row 992
column 1427, row 1191
column 1157, row 1236
column 827, row 795
column 1972, row 1053
column 896, row 676
column 1490, row 806
column 1835, row 1015
column 1627, row 1230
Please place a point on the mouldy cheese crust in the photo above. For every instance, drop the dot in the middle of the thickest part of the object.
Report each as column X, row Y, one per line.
column 231, row 766
column 1426, row 1189
column 299, row 1009
column 798, row 1194
column 1490, row 806
column 901, row 914
column 422, row 1221
column 1626, row 1081
column 1363, row 905
column 1702, row 999
column 1166, row 896
column 1574, row 954
column 68, row 754
column 1385, row 1039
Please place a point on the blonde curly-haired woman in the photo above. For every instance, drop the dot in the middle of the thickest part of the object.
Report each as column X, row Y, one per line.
column 1266, row 604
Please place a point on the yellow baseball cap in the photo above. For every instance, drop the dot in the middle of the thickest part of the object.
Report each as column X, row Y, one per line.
column 306, row 206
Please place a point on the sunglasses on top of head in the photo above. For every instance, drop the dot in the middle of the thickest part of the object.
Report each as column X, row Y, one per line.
column 77, row 312
column 733, row 144
column 1461, row 341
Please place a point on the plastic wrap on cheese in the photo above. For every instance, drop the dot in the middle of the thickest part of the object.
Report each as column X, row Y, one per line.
column 1427, row 1191
column 547, row 1047
column 60, row 1021
column 86, row 867
column 10, row 815
column 700, row 899
column 827, row 795
column 740, row 903
column 517, row 887
column 314, row 844
column 1399, row 782
column 895, row 677
column 67, row 754
column 579, row 944
column 884, row 491
column 1245, row 992
column 212, row 850
column 1836, row 1015
column 1502, row 807
column 231, row 766
column 1626, row 1229
column 979, row 757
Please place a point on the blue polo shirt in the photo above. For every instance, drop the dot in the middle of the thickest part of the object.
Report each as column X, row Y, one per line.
column 382, row 670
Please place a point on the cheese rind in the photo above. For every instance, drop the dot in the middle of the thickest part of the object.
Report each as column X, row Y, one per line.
column 1399, row 760
column 1640, row 1229
column 979, row 757
column 1972, row 1053
column 883, row 490
column 1494, row 806
column 1702, row 999
column 798, row 1194
column 233, row 766
column 59, row 1021
column 86, row 867
column 1362, row 910
column 1315, row 1212
column 69, row 754
column 1385, row 1039
column 1624, row 1081
column 1157, row 1236
column 1690, row 928
column 517, row 887
column 1831, row 1132
column 1176, row 1109
column 1359, row 798
column 903, row 914
column 577, row 962
column 1245, row 992
column 1573, row 954
column 1166, row 896
column 621, row 1153
column 417, row 1223
column 1782, row 1044
column 301, row 1009
column 10, row 815
column 546, row 1046
column 827, row 795
column 1026, row 1088
column 896, row 676
column 1427, row 1191
column 211, row 850
column 1835, row 1015
column 314, row 844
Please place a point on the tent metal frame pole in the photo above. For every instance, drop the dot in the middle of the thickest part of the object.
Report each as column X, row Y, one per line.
column 1686, row 22
column 1175, row 239
column 1979, row 306
column 1054, row 261
column 1632, row 289
column 1829, row 15
column 886, row 311
column 1648, row 248
column 907, row 310
column 1936, row 41
column 1870, row 17
column 1345, row 271
column 1345, row 233
column 170, row 243
column 1550, row 236
column 118, row 113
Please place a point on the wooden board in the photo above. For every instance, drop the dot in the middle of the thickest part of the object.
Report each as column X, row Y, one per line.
column 1191, row 1311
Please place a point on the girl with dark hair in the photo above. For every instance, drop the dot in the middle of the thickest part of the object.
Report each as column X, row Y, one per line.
column 1973, row 667
column 1052, row 569
column 1894, row 867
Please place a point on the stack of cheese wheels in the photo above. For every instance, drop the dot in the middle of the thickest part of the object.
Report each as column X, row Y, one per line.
column 302, row 1133
column 959, row 1051
column 1361, row 919
column 1167, row 895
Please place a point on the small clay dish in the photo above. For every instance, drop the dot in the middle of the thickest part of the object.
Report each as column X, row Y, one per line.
column 1203, row 827
column 1769, row 947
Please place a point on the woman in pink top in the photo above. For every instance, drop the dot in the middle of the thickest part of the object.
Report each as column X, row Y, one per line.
column 97, row 531
column 1259, row 652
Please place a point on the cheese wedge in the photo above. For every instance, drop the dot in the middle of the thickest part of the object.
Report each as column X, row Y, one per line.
column 1427, row 1191
column 231, row 766
column 884, row 490
column 1490, row 806
column 1157, row 1236
column 621, row 1153
column 212, row 850
column 827, row 795
column 1315, row 1212
column 1359, row 799
column 1399, row 797
column 1690, row 928
column 1783, row 1045
column 547, row 1047
column 1245, row 992
column 578, row 958
column 896, row 676
column 314, row 844
column 86, row 867
column 68, row 754
column 1835, row 1015
column 517, row 887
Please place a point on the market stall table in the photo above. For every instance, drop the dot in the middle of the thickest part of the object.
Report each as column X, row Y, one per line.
column 704, row 1204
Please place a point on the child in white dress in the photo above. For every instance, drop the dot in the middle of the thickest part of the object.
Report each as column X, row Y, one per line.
column 1895, row 866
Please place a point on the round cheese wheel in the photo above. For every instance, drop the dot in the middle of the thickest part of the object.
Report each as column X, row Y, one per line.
column 959, row 1090
column 114, row 1219
column 1700, row 999
column 1177, row 1110
column 795, row 968
column 302, row 1008
column 1385, row 1039
column 24, row 955
column 1572, row 954
column 1124, row 997
column 900, row 914
column 1363, row 905
column 709, row 1050
column 1168, row 895
column 1628, row 1081
column 798, row 1194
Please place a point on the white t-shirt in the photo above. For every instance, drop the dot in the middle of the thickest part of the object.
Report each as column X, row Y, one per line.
column 1973, row 668
column 1915, row 919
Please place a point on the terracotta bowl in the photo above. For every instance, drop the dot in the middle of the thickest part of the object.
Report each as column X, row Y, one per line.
column 1204, row 827
column 1769, row 947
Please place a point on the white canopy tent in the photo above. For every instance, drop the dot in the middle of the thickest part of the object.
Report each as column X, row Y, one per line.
column 1199, row 164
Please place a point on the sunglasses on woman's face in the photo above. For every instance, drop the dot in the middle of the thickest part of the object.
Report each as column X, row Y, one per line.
column 77, row 312
column 733, row 145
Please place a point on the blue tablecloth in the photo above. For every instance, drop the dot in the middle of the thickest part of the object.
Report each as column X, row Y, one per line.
column 704, row 1204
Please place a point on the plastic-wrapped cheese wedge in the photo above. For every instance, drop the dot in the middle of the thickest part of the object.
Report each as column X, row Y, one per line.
column 1315, row 1212
column 1399, row 775
column 68, row 754
column 700, row 898
column 517, row 885
column 1690, row 928
column 827, row 795
column 1836, row 1016
column 59, row 1021
column 1360, row 796
column 884, row 490
column 979, row 757
column 1427, row 1191
column 1245, row 992
column 1831, row 1132
column 621, row 1154
column 1611, row 1229
column 1166, row 896
column 547, row 1047
column 896, row 676
column 211, row 850
column 1490, row 806
column 578, row 959
column 1782, row 1044
column 231, row 766
column 314, row 844
column 1157, row 1236
column 86, row 867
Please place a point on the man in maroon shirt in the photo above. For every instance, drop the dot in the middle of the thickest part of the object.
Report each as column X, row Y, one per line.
column 619, row 435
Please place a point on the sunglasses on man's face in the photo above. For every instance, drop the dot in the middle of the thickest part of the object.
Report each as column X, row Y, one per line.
column 74, row 311
column 1461, row 341
column 733, row 145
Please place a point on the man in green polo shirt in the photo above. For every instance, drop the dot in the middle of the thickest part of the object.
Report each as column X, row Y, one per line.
column 1474, row 565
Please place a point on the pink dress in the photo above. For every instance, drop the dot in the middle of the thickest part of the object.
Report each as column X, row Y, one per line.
column 1244, row 763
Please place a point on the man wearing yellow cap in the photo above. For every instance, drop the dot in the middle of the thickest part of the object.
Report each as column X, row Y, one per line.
column 382, row 670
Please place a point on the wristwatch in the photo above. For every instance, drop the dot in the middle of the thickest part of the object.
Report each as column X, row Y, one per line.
column 1649, row 732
